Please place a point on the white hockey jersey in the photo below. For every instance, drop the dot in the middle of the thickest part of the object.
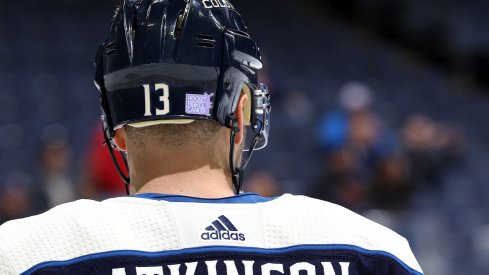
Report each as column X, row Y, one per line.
column 156, row 234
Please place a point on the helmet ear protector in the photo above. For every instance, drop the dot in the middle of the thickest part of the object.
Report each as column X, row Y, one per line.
column 242, row 63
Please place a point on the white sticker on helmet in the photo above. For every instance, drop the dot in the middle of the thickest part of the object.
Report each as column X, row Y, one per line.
column 196, row 104
column 209, row 4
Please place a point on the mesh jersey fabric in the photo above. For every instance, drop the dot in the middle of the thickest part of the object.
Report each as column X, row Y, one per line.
column 164, row 234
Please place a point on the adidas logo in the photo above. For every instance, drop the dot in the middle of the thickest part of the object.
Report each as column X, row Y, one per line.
column 222, row 229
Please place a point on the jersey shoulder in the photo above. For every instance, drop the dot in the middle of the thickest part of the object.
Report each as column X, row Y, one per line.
column 319, row 213
column 314, row 221
column 64, row 213
column 80, row 228
column 26, row 234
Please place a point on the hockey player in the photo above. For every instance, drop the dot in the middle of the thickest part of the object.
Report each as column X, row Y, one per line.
column 180, row 97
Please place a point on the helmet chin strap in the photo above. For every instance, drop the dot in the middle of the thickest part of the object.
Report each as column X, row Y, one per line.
column 237, row 172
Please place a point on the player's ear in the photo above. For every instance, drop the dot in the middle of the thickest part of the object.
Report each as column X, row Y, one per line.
column 120, row 139
column 240, row 115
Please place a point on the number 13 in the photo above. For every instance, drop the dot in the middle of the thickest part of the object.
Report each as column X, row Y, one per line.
column 163, row 98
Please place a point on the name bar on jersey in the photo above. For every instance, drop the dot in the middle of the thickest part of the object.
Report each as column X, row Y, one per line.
column 231, row 268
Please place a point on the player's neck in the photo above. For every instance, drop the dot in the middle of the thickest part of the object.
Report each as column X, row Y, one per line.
column 188, row 173
column 203, row 182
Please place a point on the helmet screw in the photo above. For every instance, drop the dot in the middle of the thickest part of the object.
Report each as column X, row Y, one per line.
column 227, row 86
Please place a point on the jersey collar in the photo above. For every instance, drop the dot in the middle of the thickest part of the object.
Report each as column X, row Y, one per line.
column 247, row 198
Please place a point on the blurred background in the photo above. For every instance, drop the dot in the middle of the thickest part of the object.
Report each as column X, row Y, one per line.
column 378, row 105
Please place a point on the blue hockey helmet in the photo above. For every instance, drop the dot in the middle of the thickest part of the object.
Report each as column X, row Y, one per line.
column 176, row 61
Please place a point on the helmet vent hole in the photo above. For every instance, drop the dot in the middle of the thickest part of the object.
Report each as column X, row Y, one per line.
column 205, row 41
column 181, row 18
column 134, row 27
column 178, row 27
column 242, row 33
column 110, row 48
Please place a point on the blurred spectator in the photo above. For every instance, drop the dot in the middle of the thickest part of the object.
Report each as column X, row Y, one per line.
column 364, row 167
column 431, row 147
column 354, row 124
column 99, row 177
column 55, row 182
column 354, row 140
column 263, row 183
column 344, row 180
column 392, row 185
column 15, row 197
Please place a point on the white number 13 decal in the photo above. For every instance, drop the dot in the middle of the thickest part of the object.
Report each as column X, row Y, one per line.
column 164, row 98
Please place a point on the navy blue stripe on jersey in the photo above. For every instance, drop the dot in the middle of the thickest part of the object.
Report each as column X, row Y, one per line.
column 228, row 223
column 248, row 198
column 361, row 261
column 210, row 228
column 218, row 225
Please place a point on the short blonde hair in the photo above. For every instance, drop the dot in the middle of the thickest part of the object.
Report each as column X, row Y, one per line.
column 175, row 135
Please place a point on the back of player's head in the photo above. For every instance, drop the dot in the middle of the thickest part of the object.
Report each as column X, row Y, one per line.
column 178, row 61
